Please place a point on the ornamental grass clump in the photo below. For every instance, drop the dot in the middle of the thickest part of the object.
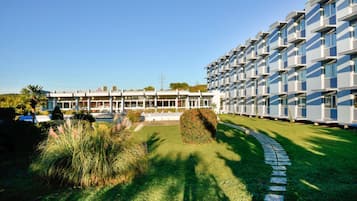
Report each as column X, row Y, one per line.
column 198, row 126
column 78, row 154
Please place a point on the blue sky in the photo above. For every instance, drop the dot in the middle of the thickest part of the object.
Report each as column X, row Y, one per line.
column 85, row 44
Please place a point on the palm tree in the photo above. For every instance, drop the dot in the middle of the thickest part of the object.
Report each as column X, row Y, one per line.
column 34, row 95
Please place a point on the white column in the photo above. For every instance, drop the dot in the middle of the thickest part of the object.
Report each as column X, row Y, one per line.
column 88, row 104
column 144, row 102
column 199, row 102
column 77, row 104
column 122, row 104
column 176, row 103
column 111, row 104
column 155, row 103
column 188, row 102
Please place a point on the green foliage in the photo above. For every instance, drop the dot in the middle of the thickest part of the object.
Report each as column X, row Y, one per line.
column 19, row 136
column 198, row 126
column 179, row 86
column 57, row 114
column 84, row 116
column 7, row 114
column 149, row 88
column 17, row 101
column 134, row 116
column 114, row 88
column 80, row 155
column 198, row 87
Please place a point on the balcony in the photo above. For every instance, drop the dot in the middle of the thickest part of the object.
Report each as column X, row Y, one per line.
column 234, row 64
column 297, row 37
column 330, row 84
column 330, row 115
column 241, row 61
column 301, row 113
column 252, row 74
column 264, row 91
column 326, row 24
column 297, row 61
column 329, row 54
column 300, row 87
column 352, row 50
column 279, row 66
column 279, row 44
column 241, row 77
column 284, row 111
column 351, row 13
column 251, row 55
column 264, row 51
column 263, row 70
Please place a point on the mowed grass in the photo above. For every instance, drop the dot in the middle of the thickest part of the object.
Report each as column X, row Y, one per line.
column 230, row 169
column 324, row 159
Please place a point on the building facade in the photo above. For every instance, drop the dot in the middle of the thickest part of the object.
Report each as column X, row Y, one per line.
column 302, row 68
column 119, row 101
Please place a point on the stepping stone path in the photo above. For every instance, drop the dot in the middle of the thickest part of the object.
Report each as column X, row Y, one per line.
column 276, row 157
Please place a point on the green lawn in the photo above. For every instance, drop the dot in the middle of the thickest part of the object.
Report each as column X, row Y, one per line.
column 230, row 169
column 324, row 159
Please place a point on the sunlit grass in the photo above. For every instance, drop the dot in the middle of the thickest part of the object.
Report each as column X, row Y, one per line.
column 324, row 159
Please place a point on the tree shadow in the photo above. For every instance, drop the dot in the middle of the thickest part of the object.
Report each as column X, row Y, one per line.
column 153, row 142
column 251, row 169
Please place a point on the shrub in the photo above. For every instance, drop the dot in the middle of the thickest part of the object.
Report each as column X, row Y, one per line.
column 57, row 114
column 80, row 155
column 134, row 116
column 198, row 126
column 84, row 116
column 7, row 114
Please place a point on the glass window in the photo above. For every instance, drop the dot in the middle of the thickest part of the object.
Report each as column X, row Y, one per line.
column 330, row 101
column 330, row 40
column 354, row 1
column 354, row 29
column 301, row 25
column 302, row 49
column 355, row 64
column 329, row 9
column 302, row 75
column 302, row 101
column 284, row 78
column 330, row 70
column 284, row 56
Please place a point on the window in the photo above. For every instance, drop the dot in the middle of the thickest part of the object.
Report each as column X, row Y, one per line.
column 301, row 25
column 354, row 30
column 354, row 64
column 284, row 78
column 302, row 49
column 330, row 39
column 302, row 101
column 284, row 56
column 330, row 101
column 354, row 1
column 302, row 75
column 284, row 34
column 330, row 70
column 329, row 10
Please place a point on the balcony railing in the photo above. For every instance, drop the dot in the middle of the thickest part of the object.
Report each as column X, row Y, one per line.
column 263, row 51
column 279, row 44
column 330, row 114
column 284, row 110
column 301, row 112
column 297, row 36
column 330, row 83
column 301, row 86
column 297, row 61
column 326, row 24
column 351, row 14
column 352, row 50
column 251, row 55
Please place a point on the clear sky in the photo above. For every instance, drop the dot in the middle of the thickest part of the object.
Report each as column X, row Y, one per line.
column 85, row 44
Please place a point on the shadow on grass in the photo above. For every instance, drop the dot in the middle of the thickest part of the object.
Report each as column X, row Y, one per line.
column 324, row 159
column 251, row 169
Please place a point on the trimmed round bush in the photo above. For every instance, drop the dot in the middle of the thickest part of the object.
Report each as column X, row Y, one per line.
column 78, row 154
column 198, row 126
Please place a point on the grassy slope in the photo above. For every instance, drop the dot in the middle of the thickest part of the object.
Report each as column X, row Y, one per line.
column 324, row 160
column 230, row 169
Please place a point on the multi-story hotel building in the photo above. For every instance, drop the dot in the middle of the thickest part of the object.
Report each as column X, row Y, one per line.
column 302, row 68
column 119, row 101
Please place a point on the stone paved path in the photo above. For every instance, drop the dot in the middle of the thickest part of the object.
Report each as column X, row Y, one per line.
column 277, row 158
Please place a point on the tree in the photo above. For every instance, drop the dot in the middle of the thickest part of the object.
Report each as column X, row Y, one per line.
column 34, row 96
column 179, row 86
column 149, row 88
column 198, row 87
column 105, row 88
column 114, row 88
